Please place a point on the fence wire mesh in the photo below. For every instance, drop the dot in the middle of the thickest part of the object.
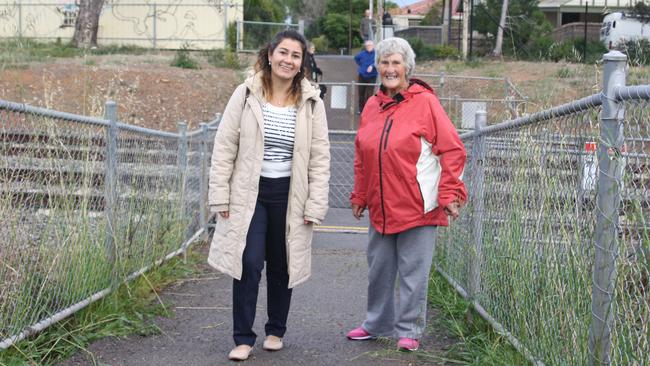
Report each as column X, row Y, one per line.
column 252, row 36
column 51, row 179
column 66, row 233
column 631, row 326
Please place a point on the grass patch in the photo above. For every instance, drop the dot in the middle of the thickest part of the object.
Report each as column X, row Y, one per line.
column 478, row 343
column 17, row 52
column 131, row 309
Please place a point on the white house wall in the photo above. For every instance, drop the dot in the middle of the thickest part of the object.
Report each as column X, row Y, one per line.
column 200, row 24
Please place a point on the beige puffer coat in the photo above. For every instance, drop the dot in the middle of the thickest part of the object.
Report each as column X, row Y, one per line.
column 235, row 172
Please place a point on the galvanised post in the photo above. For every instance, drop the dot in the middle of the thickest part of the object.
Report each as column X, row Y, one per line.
column 441, row 88
column 610, row 173
column 301, row 26
column 476, row 255
column 20, row 19
column 203, row 179
column 155, row 24
column 182, row 160
column 110, row 185
column 353, row 101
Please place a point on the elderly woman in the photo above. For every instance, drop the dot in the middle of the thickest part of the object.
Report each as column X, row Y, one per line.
column 407, row 171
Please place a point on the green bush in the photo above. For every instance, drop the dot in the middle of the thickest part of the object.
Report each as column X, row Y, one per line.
column 424, row 51
column 638, row 52
column 321, row 43
column 232, row 36
column 223, row 58
column 445, row 51
column 183, row 59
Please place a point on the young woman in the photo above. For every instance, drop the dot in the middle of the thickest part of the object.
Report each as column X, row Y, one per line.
column 269, row 186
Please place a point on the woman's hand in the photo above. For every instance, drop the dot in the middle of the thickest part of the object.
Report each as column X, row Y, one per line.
column 452, row 209
column 307, row 222
column 224, row 214
column 357, row 211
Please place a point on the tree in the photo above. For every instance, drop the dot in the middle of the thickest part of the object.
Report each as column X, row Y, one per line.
column 502, row 24
column 85, row 30
column 524, row 22
column 434, row 15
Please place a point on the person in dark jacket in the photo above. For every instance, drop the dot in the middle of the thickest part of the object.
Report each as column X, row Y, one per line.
column 408, row 166
column 314, row 73
column 367, row 71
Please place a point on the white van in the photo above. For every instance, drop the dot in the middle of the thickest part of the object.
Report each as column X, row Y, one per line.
column 619, row 28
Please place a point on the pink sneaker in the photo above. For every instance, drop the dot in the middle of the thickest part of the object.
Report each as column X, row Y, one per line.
column 408, row 344
column 359, row 334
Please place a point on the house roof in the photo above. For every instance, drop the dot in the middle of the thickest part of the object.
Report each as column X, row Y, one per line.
column 419, row 8
column 422, row 7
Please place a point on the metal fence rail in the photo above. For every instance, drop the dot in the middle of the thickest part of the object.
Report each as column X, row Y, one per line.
column 505, row 101
column 86, row 204
column 552, row 247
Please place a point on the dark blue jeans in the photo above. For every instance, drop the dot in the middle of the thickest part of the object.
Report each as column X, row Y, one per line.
column 265, row 242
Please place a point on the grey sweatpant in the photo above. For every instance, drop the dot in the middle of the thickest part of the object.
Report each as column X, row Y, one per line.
column 409, row 255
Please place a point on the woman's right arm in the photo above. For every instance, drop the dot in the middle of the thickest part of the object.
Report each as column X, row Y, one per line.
column 226, row 146
column 358, row 196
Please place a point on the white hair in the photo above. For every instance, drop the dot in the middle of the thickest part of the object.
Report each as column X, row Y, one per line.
column 397, row 45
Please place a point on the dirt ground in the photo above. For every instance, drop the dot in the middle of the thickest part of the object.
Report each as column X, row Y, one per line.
column 147, row 90
column 151, row 93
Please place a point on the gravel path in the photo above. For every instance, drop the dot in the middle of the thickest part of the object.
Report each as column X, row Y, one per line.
column 323, row 310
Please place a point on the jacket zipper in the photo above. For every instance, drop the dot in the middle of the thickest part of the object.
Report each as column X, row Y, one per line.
column 388, row 123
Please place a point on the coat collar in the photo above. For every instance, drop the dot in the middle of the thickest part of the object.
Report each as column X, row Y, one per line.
column 416, row 86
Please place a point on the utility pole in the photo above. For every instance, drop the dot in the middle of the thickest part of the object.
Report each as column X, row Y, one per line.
column 465, row 27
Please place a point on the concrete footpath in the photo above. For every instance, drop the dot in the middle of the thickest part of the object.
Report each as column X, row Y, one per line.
column 323, row 310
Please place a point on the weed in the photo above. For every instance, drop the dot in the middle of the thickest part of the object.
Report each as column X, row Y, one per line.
column 184, row 60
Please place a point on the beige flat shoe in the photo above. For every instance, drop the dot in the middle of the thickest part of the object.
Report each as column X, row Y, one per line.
column 272, row 343
column 240, row 353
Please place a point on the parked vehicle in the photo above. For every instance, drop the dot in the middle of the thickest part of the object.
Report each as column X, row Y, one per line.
column 619, row 28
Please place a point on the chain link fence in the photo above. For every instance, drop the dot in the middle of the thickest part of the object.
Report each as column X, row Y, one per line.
column 252, row 36
column 342, row 99
column 552, row 246
column 86, row 204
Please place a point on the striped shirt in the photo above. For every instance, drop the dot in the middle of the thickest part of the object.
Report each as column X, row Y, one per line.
column 279, row 128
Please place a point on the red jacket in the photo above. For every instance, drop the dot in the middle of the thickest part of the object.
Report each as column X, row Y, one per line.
column 408, row 162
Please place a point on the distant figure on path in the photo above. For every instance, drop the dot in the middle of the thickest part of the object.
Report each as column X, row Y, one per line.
column 407, row 171
column 314, row 73
column 367, row 26
column 269, row 186
column 367, row 71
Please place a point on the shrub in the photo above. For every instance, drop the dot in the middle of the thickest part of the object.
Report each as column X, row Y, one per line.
column 183, row 59
column 638, row 52
column 321, row 43
column 223, row 58
column 232, row 36
column 445, row 51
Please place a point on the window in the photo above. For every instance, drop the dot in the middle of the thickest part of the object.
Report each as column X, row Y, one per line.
column 69, row 12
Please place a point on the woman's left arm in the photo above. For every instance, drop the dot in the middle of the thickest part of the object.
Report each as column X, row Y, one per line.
column 319, row 166
column 451, row 150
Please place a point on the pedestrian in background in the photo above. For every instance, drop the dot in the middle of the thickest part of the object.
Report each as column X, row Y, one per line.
column 269, row 186
column 408, row 166
column 314, row 73
column 367, row 72
column 367, row 26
